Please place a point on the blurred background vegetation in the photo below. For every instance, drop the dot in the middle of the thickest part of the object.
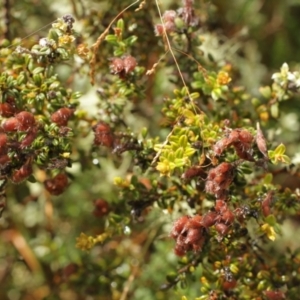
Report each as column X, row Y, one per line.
column 38, row 257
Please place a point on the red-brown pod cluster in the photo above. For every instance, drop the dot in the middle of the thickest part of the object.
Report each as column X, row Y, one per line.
column 229, row 285
column 129, row 64
column 187, row 13
column 26, row 120
column 219, row 179
column 6, row 110
column 29, row 138
column 101, row 208
column 123, row 65
column 192, row 172
column 169, row 23
column 189, row 234
column 11, row 125
column 103, row 135
column 225, row 217
column 23, row 121
column 24, row 172
column 275, row 295
column 240, row 139
column 266, row 203
column 57, row 185
column 62, row 116
column 209, row 219
column 116, row 65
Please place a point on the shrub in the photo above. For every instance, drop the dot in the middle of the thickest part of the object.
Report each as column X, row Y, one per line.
column 173, row 181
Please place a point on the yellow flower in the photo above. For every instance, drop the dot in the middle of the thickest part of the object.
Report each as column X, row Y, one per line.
column 223, row 78
column 66, row 39
column 269, row 231
column 85, row 242
column 82, row 50
column 163, row 167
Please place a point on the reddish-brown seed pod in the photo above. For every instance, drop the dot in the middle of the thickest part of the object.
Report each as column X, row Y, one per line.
column 24, row 172
column 222, row 228
column 29, row 138
column 213, row 295
column 229, row 285
column 170, row 26
column 6, row 110
column 159, row 29
column 192, row 172
column 209, row 219
column 210, row 187
column 275, row 295
column 266, row 203
column 101, row 208
column 116, row 65
column 169, row 15
column 224, row 168
column 26, row 120
column 197, row 246
column 220, row 178
column 129, row 64
column 194, row 222
column 62, row 116
column 261, row 142
column 220, row 205
column 179, row 225
column 227, row 217
column 57, row 185
column 179, row 250
column 243, row 151
column 11, row 124
column 233, row 136
column 221, row 145
column 193, row 236
column 212, row 174
column 245, row 136
column 3, row 143
column 103, row 135
column 224, row 175
column 4, row 159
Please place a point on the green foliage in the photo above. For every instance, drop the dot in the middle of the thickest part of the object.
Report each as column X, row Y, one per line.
column 171, row 178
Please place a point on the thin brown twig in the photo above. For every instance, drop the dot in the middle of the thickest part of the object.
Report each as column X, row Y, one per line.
column 172, row 53
column 166, row 38
column 127, row 285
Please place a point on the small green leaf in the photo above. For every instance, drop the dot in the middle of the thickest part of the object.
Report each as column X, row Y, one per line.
column 274, row 110
column 131, row 40
column 216, row 94
column 111, row 38
column 38, row 70
column 120, row 24
column 280, row 150
column 265, row 91
column 183, row 141
column 271, row 220
column 144, row 132
column 268, row 178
